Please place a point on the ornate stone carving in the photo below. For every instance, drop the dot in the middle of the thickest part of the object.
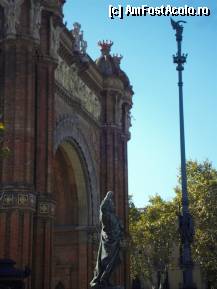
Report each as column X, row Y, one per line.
column 23, row 199
column 45, row 205
column 91, row 102
column 8, row 199
column 68, row 77
column 12, row 15
column 80, row 45
column 128, row 120
column 46, row 209
column 83, row 45
column 43, row 208
column 128, row 123
column 76, row 34
column 35, row 18
column 117, row 60
column 54, row 39
column 13, row 199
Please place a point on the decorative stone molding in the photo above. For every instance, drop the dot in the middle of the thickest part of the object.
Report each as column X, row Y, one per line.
column 114, row 84
column 74, row 228
column 67, row 77
column 128, row 98
column 128, row 120
column 17, row 200
column 12, row 15
column 54, row 39
column 45, row 205
column 35, row 18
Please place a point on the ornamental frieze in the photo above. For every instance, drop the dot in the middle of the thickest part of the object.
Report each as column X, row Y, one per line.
column 12, row 199
column 46, row 209
column 67, row 77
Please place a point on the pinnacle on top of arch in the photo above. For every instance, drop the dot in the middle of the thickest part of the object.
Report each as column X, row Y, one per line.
column 105, row 46
column 117, row 59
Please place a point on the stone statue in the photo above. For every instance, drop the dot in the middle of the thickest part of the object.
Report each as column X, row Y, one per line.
column 54, row 39
column 83, row 44
column 36, row 10
column 77, row 36
column 12, row 15
column 110, row 244
column 80, row 45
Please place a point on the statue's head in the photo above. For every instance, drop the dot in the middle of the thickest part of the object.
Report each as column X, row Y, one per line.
column 109, row 195
column 107, row 203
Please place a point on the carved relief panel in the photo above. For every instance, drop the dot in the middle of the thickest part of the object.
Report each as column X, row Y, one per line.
column 35, row 18
column 67, row 77
column 12, row 12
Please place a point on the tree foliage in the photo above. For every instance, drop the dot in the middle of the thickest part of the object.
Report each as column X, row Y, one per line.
column 152, row 238
column 154, row 231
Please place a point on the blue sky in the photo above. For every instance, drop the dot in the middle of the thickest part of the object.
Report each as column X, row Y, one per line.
column 147, row 44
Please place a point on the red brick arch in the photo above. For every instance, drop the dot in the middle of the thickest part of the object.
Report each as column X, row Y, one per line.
column 71, row 190
column 68, row 131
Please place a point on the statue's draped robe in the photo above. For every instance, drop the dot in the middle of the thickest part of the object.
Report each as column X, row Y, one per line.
column 109, row 248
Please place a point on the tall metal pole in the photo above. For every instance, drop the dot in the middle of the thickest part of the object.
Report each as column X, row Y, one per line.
column 186, row 226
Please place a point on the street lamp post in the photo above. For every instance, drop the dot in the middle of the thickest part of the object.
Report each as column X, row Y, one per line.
column 186, row 226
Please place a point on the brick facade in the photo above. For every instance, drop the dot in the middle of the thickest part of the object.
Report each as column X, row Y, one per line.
column 67, row 124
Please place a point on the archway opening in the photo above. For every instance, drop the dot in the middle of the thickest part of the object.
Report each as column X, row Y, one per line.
column 65, row 190
column 71, row 195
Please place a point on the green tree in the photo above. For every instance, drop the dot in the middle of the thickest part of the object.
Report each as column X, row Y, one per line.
column 154, row 231
column 202, row 188
column 152, row 239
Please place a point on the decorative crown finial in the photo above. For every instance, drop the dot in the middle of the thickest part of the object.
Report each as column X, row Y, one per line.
column 105, row 46
column 117, row 59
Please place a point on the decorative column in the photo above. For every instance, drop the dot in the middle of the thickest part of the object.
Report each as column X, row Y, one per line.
column 17, row 193
column 29, row 42
column 47, row 60
column 43, row 242
column 116, row 104
column 186, row 226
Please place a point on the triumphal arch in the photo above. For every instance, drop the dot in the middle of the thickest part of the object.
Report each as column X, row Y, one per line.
column 67, row 120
